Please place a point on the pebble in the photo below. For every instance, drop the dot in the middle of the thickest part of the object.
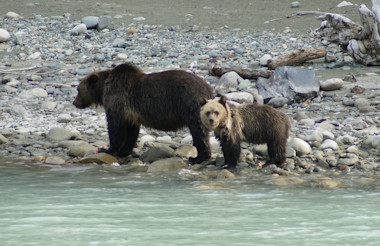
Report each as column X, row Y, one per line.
column 167, row 165
column 329, row 144
column 91, row 22
column 79, row 29
column 264, row 59
column 331, row 84
column 300, row 146
column 13, row 15
column 4, row 35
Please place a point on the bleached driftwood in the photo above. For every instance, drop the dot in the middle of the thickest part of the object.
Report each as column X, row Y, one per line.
column 362, row 42
column 296, row 57
column 245, row 73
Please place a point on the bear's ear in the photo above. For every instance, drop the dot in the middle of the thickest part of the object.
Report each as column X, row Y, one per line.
column 222, row 100
column 93, row 78
column 203, row 101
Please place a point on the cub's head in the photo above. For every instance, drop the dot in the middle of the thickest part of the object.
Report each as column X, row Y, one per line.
column 90, row 89
column 215, row 113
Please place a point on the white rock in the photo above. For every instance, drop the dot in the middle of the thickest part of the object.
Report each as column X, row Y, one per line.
column 264, row 59
column 4, row 35
column 32, row 93
column 91, row 22
column 146, row 139
column 240, row 97
column 329, row 144
column 164, row 139
column 122, row 56
column 64, row 118
column 300, row 146
column 79, row 29
column 228, row 80
column 376, row 141
column 344, row 4
column 13, row 15
column 140, row 18
column 35, row 56
column 314, row 136
column 331, row 84
column 188, row 139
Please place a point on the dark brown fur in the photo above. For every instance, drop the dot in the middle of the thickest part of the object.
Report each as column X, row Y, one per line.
column 257, row 124
column 165, row 101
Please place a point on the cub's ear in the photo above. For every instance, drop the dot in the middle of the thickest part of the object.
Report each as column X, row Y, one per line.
column 203, row 102
column 93, row 78
column 223, row 100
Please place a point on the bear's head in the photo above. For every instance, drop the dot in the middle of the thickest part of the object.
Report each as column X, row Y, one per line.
column 215, row 114
column 90, row 89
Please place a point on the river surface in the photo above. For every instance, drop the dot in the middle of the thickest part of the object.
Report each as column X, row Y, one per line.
column 98, row 205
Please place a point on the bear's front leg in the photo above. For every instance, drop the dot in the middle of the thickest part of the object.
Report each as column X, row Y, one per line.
column 231, row 152
column 122, row 136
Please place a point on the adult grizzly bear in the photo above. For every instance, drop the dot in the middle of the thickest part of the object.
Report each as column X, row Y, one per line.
column 165, row 101
column 257, row 124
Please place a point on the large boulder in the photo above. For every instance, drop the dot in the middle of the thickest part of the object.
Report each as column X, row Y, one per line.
column 292, row 83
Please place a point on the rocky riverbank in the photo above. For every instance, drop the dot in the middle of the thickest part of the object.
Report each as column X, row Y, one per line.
column 44, row 58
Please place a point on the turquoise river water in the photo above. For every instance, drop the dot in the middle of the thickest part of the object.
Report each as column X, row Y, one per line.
column 98, row 205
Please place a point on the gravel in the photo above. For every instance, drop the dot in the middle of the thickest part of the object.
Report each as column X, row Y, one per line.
column 44, row 59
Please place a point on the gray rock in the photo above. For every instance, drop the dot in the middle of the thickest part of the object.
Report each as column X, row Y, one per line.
column 329, row 144
column 361, row 102
column 18, row 110
column 295, row 4
column 349, row 159
column 4, row 35
column 91, row 22
column 3, row 140
column 278, row 102
column 264, row 59
column 100, row 158
column 80, row 150
column 60, row 134
column 314, row 136
column 104, row 22
column 64, row 118
column 290, row 82
column 157, row 153
column 228, row 80
column 55, row 160
column 147, row 140
column 346, row 139
column 300, row 146
column 376, row 141
column 331, row 84
column 79, row 29
column 34, row 93
column 240, row 97
column 186, row 151
column 167, row 165
column 353, row 149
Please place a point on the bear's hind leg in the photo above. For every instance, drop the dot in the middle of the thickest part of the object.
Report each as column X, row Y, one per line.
column 277, row 153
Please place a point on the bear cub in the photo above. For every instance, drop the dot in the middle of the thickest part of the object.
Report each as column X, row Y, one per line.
column 165, row 101
column 257, row 124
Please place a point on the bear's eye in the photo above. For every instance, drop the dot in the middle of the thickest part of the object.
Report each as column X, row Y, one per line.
column 208, row 113
column 216, row 113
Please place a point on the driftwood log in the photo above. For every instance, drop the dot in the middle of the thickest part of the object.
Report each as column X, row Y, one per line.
column 361, row 42
column 296, row 57
column 245, row 73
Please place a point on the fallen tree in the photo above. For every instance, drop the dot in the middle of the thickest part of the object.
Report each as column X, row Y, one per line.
column 245, row 73
column 361, row 42
column 296, row 57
